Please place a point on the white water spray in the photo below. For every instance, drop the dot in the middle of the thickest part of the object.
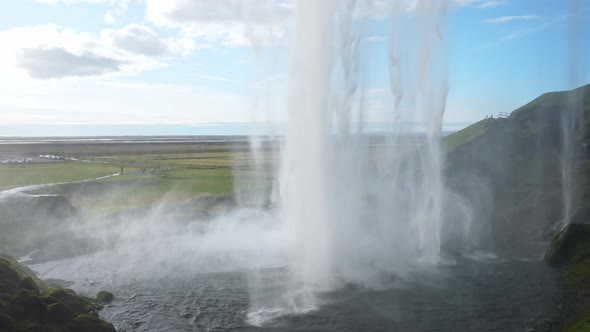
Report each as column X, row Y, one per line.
column 353, row 208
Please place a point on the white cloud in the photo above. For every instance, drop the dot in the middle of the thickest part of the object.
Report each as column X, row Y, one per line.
column 52, row 51
column 375, row 39
column 229, row 22
column 58, row 62
column 482, row 4
column 504, row 19
column 218, row 78
column 178, row 12
column 246, row 22
column 71, row 2
column 117, row 9
column 137, row 39
column 491, row 4
column 462, row 3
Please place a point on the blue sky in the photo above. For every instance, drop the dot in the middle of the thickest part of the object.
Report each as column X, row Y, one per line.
column 69, row 67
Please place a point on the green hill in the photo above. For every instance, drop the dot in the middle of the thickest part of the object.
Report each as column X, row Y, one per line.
column 510, row 169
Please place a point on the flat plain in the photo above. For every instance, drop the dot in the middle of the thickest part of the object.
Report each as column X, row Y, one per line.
column 174, row 168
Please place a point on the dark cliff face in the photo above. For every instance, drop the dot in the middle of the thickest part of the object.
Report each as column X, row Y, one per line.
column 509, row 170
column 41, row 223
column 34, row 209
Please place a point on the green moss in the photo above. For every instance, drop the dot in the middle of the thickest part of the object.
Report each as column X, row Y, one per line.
column 18, row 269
column 577, row 277
column 28, row 283
column 7, row 323
column 59, row 312
column 105, row 297
column 580, row 324
column 467, row 134
column 88, row 323
column 76, row 303
column 9, row 278
column 26, row 305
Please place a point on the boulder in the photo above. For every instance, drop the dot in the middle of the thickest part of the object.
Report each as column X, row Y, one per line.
column 59, row 312
column 105, row 297
column 9, row 278
column 581, row 215
column 89, row 323
column 78, row 304
column 26, row 303
column 28, row 283
column 569, row 245
column 6, row 323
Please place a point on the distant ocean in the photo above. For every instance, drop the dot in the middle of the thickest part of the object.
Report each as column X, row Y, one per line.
column 204, row 129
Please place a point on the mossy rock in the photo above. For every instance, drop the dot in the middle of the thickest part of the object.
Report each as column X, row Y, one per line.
column 28, row 283
column 580, row 324
column 19, row 267
column 9, row 278
column 49, row 300
column 59, row 313
column 563, row 249
column 5, row 306
column 581, row 215
column 7, row 323
column 78, row 304
column 89, row 323
column 105, row 297
column 26, row 304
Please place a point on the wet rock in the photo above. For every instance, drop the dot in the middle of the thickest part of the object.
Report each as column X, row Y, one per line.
column 89, row 323
column 564, row 248
column 28, row 283
column 49, row 300
column 7, row 323
column 105, row 297
column 78, row 304
column 26, row 304
column 59, row 313
column 9, row 278
column 581, row 215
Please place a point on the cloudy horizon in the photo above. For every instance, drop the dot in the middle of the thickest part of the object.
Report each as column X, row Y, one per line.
column 193, row 63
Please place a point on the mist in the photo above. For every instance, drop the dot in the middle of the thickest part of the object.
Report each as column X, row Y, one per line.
column 325, row 221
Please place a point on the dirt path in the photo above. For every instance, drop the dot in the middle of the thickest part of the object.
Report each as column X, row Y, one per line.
column 20, row 190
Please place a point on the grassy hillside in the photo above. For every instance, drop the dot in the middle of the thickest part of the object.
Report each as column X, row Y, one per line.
column 515, row 166
column 519, row 159
column 467, row 134
column 536, row 114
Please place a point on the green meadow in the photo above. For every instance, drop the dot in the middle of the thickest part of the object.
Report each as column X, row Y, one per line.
column 171, row 172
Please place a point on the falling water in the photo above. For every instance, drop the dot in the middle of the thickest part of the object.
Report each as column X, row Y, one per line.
column 305, row 191
column 570, row 118
column 355, row 209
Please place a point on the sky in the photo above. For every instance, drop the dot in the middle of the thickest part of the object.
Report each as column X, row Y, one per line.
column 181, row 67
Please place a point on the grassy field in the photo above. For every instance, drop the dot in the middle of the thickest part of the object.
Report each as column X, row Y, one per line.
column 172, row 172
column 467, row 134
column 17, row 175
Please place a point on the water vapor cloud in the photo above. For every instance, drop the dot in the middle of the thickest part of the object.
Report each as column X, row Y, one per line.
column 504, row 19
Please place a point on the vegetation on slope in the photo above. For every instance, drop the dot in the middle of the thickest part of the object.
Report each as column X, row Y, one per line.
column 467, row 134
column 29, row 304
column 519, row 160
